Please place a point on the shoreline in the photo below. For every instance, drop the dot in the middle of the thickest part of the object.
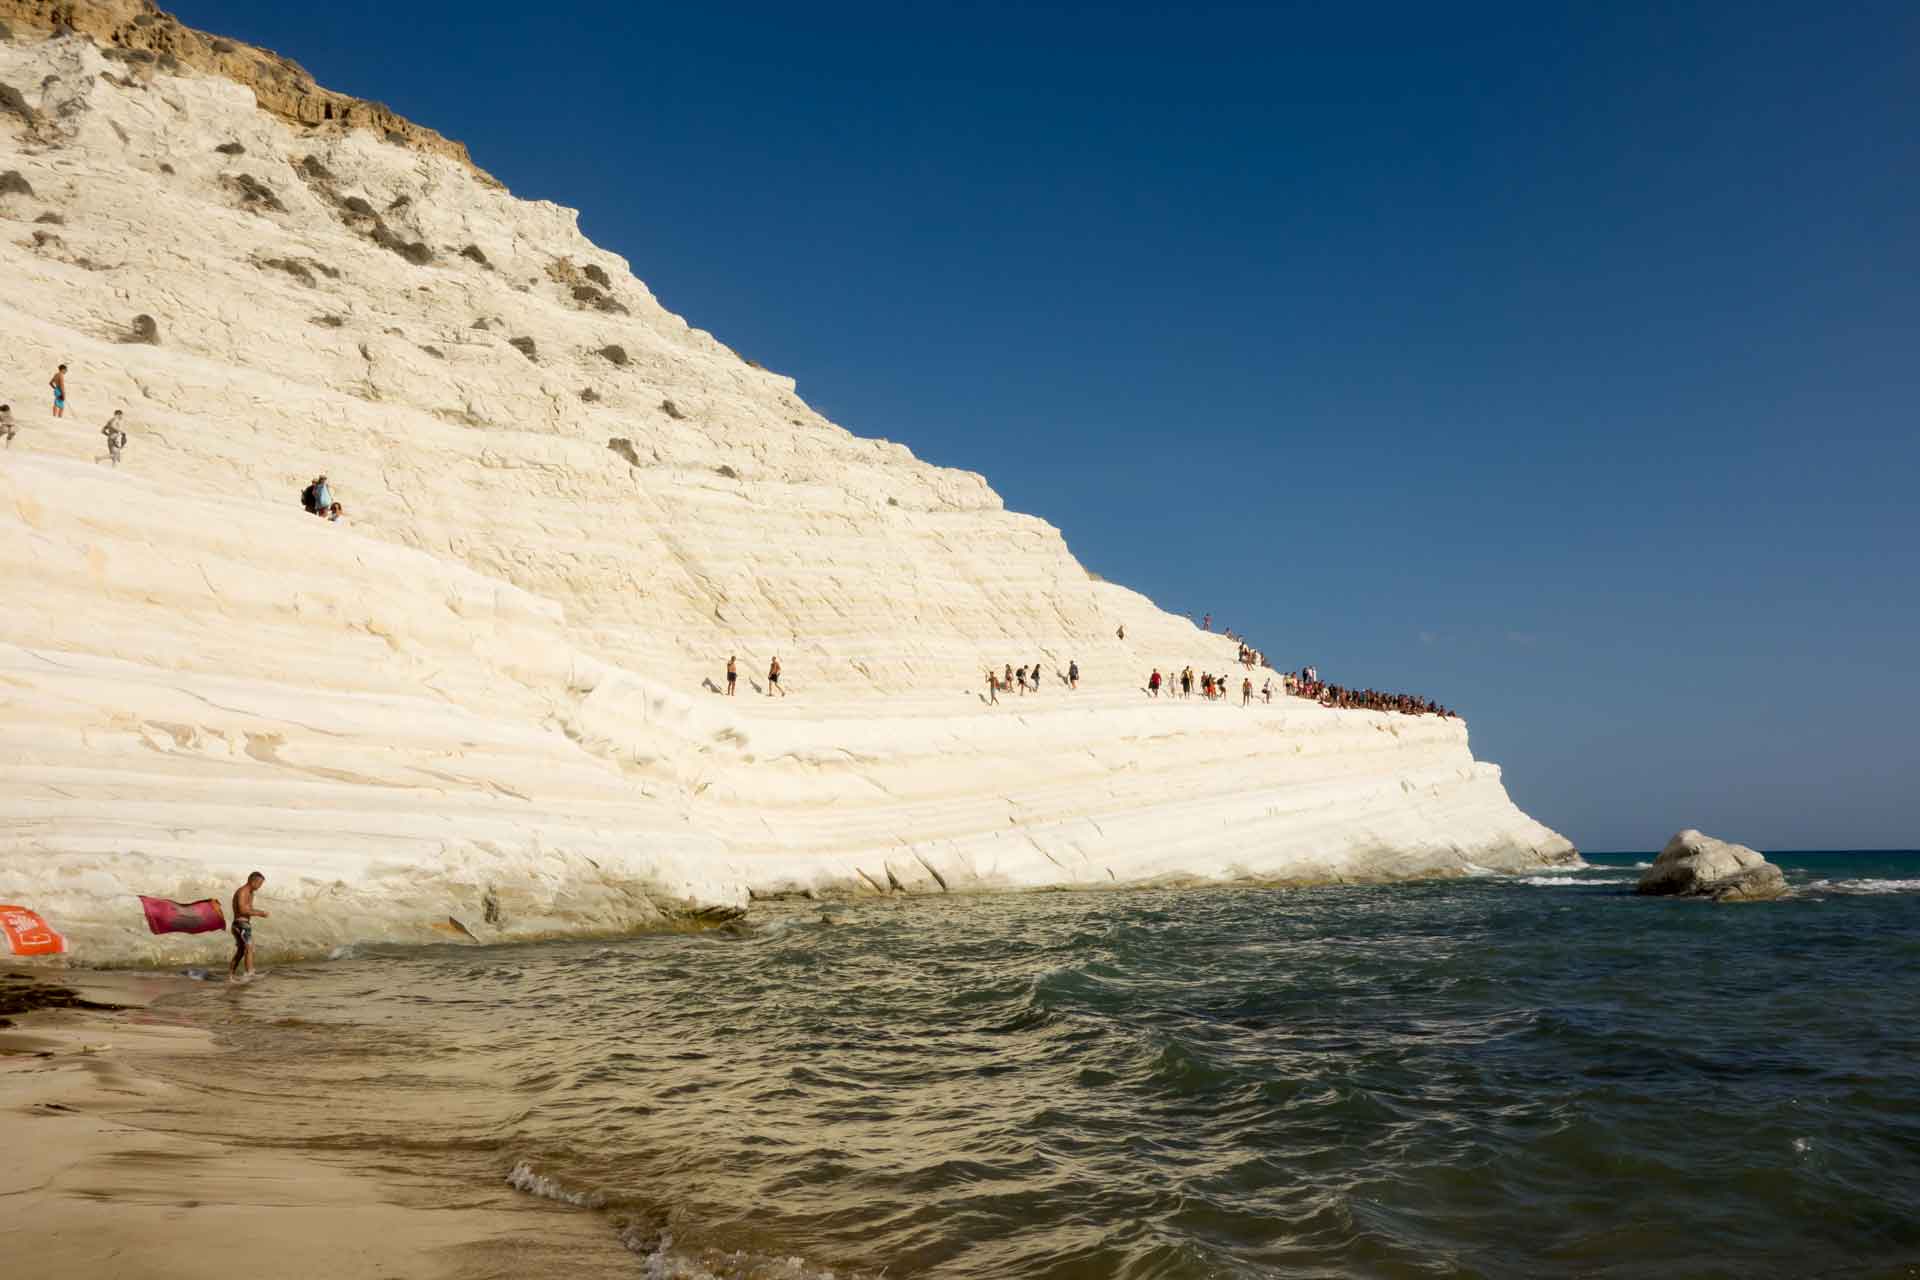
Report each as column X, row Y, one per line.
column 120, row 1161
column 62, row 968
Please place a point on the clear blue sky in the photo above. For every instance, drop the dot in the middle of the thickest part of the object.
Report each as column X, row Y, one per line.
column 1560, row 361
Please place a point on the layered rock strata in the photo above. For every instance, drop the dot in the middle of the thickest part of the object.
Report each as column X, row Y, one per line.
column 488, row 706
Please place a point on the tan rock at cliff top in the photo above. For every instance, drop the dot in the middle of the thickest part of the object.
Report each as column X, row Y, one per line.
column 492, row 696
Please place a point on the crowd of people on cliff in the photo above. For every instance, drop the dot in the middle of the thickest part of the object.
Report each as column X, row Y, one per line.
column 1026, row 679
column 1305, row 683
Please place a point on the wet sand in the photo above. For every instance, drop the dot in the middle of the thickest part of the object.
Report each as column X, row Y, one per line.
column 117, row 1166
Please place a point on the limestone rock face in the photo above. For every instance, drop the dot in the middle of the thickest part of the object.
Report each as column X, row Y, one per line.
column 144, row 39
column 494, row 695
column 1694, row 865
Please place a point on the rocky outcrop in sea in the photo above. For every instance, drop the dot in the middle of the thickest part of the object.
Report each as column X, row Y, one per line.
column 1695, row 865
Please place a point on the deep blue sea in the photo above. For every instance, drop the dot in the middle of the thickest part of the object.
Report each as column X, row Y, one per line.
column 1532, row 1076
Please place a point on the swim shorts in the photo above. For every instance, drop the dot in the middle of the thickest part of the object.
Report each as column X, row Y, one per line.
column 243, row 933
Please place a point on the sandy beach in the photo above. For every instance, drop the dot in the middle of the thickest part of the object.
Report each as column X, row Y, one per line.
column 120, row 1166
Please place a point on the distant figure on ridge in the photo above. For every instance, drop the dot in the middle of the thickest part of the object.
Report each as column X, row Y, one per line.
column 773, row 678
column 6, row 424
column 116, row 436
column 59, row 385
column 733, row 672
column 243, row 913
column 1206, row 623
column 1073, row 674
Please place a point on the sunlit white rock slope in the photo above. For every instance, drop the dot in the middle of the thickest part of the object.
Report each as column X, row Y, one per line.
column 484, row 698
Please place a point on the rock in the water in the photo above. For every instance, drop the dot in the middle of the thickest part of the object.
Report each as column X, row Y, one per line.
column 1695, row 865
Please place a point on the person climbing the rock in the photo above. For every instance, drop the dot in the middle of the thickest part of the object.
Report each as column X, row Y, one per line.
column 59, row 385
column 1153, row 684
column 116, row 436
column 6, row 424
column 773, row 678
column 243, row 913
column 733, row 672
column 1073, row 675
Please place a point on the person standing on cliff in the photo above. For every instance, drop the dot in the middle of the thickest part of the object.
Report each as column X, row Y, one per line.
column 1206, row 622
column 773, row 678
column 116, row 436
column 243, row 913
column 733, row 672
column 59, row 385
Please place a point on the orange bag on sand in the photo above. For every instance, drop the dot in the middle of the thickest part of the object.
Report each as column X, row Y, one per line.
column 29, row 935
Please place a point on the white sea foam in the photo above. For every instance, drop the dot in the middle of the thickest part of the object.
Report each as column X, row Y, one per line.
column 659, row 1260
column 1866, row 886
column 524, row 1178
column 1561, row 882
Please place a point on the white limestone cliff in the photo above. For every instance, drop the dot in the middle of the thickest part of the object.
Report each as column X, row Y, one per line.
column 484, row 699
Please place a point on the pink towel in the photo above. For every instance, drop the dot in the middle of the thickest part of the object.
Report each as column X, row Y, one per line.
column 163, row 916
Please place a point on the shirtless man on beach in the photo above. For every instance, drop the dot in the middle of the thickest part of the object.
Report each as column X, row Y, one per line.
column 243, row 913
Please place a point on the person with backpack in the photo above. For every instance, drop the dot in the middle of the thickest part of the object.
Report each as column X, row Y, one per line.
column 317, row 497
column 116, row 436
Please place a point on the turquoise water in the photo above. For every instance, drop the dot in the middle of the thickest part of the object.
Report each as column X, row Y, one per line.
column 1532, row 1076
